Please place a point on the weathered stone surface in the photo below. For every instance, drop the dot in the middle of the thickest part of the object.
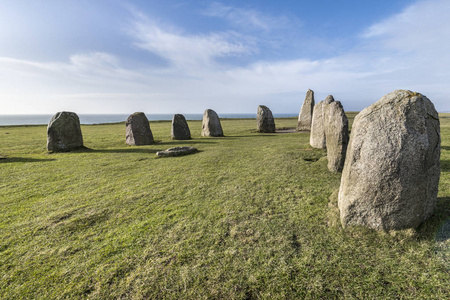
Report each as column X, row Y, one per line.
column 305, row 116
column 328, row 99
column 175, row 151
column 211, row 124
column 391, row 171
column 336, row 135
column 180, row 129
column 264, row 120
column 64, row 132
column 138, row 130
column 317, row 137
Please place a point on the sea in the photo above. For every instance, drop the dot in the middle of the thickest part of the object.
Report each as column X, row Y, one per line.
column 89, row 119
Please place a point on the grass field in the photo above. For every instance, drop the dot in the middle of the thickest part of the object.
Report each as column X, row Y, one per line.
column 251, row 216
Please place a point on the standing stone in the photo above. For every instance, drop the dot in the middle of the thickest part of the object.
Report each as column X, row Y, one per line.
column 180, row 129
column 336, row 135
column 391, row 172
column 317, row 137
column 305, row 116
column 138, row 130
column 64, row 132
column 264, row 120
column 211, row 124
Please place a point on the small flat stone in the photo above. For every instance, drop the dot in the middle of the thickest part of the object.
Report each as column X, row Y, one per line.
column 175, row 151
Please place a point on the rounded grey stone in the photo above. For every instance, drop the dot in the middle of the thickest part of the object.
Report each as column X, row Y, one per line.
column 180, row 129
column 211, row 124
column 64, row 132
column 264, row 120
column 138, row 130
column 391, row 172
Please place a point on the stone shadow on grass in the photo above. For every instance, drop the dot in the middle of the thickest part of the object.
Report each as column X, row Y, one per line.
column 248, row 136
column 432, row 228
column 132, row 149
column 445, row 165
column 24, row 159
column 445, row 148
column 185, row 142
column 442, row 236
column 124, row 150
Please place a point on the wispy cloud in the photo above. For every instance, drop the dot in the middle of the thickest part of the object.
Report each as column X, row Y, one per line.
column 186, row 50
column 248, row 19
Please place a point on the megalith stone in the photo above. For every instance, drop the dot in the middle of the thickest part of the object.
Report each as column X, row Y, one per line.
column 305, row 116
column 64, row 132
column 391, row 171
column 211, row 124
column 180, row 129
column 336, row 135
column 138, row 130
column 317, row 136
column 264, row 120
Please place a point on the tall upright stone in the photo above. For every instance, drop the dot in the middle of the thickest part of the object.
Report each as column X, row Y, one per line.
column 305, row 116
column 391, row 171
column 317, row 136
column 211, row 124
column 336, row 135
column 180, row 129
column 264, row 120
column 138, row 130
column 64, row 132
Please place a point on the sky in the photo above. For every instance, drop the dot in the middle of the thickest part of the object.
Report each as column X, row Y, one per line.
column 118, row 56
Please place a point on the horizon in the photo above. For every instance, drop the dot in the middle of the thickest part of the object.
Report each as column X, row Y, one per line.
column 106, row 57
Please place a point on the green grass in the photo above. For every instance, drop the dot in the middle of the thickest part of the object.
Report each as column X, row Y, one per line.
column 251, row 216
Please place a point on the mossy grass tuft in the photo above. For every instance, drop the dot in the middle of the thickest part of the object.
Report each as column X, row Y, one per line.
column 250, row 216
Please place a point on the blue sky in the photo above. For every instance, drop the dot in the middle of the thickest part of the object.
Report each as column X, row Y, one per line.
column 120, row 56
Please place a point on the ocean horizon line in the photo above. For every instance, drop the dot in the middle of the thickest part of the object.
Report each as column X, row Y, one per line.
column 92, row 119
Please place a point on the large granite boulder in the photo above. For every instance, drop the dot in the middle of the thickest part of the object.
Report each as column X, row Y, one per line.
column 336, row 135
column 180, row 129
column 317, row 136
column 211, row 124
column 138, row 130
column 264, row 120
column 305, row 116
column 391, row 171
column 64, row 132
